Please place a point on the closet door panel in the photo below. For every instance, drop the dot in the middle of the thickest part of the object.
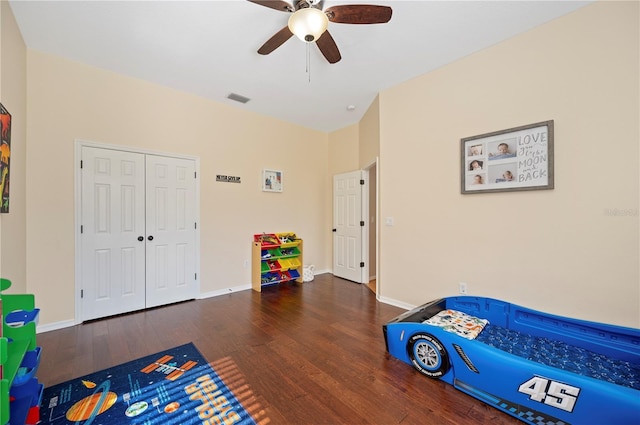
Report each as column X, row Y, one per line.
column 170, row 224
column 112, row 257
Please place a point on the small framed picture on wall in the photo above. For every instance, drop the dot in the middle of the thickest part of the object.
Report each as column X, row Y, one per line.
column 271, row 180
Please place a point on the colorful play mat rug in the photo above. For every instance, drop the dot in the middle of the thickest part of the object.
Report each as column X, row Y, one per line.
column 176, row 386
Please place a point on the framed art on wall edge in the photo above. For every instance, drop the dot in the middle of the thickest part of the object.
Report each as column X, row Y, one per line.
column 5, row 161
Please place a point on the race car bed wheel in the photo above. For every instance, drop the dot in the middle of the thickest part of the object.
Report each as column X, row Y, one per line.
column 428, row 355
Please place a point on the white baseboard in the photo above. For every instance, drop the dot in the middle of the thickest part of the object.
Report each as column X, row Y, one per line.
column 68, row 323
column 396, row 303
column 55, row 326
column 223, row 291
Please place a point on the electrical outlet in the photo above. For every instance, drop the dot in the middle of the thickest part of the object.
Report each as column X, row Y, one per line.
column 462, row 287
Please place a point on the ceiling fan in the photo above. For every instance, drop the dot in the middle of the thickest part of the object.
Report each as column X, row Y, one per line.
column 309, row 23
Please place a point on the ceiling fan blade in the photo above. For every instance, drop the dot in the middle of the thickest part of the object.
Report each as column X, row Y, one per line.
column 280, row 5
column 275, row 41
column 328, row 47
column 359, row 14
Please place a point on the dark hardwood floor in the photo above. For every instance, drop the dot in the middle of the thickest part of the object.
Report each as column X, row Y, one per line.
column 312, row 353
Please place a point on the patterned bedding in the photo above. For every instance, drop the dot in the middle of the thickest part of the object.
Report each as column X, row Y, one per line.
column 457, row 322
column 563, row 356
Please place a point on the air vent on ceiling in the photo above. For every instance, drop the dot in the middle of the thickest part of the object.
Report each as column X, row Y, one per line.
column 238, row 98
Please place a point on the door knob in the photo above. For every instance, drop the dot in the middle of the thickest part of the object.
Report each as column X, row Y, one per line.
column 140, row 238
column 150, row 238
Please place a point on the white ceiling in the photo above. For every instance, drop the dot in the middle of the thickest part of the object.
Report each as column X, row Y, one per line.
column 208, row 48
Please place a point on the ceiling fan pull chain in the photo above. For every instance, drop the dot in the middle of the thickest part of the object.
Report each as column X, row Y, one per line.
column 308, row 62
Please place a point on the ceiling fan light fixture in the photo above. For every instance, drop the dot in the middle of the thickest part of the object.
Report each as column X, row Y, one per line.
column 308, row 24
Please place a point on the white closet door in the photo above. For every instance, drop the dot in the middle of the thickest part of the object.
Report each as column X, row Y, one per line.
column 113, row 257
column 170, row 229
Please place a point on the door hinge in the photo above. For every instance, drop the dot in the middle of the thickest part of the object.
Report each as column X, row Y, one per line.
column 80, row 163
column 195, row 174
column 362, row 264
column 196, row 276
column 82, row 293
column 81, row 229
column 195, row 225
column 362, row 181
column 362, row 223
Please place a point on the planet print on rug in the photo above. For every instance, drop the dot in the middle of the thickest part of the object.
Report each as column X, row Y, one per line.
column 176, row 386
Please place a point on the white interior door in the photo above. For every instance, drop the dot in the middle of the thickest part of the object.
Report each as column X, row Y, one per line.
column 347, row 226
column 113, row 257
column 138, row 241
column 171, row 230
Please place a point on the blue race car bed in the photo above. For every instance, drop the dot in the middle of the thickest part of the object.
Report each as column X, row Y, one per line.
column 537, row 367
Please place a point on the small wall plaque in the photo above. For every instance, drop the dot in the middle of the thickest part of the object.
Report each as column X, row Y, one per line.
column 227, row 179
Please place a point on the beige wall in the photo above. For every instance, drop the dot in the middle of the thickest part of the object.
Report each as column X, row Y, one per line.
column 69, row 101
column 343, row 150
column 13, row 95
column 369, row 137
column 562, row 250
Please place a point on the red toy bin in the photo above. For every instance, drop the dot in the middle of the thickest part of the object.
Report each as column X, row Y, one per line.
column 267, row 240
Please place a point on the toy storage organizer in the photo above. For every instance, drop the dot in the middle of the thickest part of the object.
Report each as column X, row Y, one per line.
column 20, row 391
column 275, row 258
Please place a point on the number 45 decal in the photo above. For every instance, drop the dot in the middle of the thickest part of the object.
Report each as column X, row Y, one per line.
column 550, row 392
